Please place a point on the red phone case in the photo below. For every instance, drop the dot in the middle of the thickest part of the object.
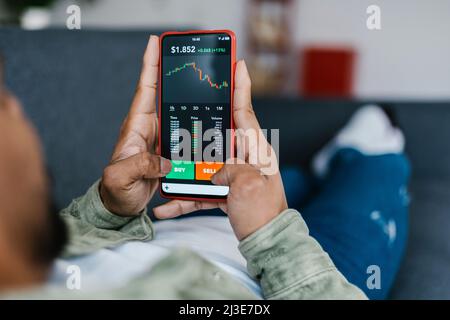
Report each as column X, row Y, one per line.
column 233, row 67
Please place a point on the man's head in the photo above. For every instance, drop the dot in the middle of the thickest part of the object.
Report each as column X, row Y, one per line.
column 31, row 235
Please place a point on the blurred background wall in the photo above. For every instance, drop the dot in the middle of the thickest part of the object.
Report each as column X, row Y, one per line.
column 408, row 58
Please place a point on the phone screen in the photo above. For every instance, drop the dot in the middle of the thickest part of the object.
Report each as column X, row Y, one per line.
column 195, row 112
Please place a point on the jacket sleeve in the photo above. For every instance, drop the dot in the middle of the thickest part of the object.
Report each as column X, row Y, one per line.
column 91, row 226
column 290, row 264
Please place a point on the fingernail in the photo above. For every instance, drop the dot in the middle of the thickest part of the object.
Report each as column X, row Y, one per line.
column 153, row 38
column 157, row 214
column 155, row 211
column 150, row 41
column 244, row 63
column 165, row 211
column 166, row 166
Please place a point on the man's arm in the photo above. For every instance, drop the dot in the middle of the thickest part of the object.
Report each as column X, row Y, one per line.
column 91, row 226
column 274, row 239
column 290, row 264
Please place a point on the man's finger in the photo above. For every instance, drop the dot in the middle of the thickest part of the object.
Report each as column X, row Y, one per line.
column 243, row 114
column 145, row 98
column 249, row 138
column 177, row 208
column 143, row 165
column 231, row 171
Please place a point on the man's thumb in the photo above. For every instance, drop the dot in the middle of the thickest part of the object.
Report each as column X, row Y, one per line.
column 143, row 165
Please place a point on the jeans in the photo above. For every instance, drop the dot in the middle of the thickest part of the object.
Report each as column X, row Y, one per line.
column 358, row 214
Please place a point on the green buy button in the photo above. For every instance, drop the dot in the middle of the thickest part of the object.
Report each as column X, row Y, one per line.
column 182, row 170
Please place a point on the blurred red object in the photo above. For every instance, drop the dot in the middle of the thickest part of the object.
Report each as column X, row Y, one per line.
column 327, row 72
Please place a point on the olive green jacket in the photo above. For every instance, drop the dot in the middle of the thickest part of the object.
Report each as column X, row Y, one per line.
column 288, row 263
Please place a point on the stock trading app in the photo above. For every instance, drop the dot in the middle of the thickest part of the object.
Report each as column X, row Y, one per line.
column 196, row 93
column 195, row 78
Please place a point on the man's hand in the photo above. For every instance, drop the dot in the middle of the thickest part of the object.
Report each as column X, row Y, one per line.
column 131, row 178
column 254, row 199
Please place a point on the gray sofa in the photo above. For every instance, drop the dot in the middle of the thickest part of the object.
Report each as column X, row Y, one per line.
column 77, row 86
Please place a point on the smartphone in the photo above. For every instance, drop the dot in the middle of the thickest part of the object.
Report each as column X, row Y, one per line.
column 196, row 87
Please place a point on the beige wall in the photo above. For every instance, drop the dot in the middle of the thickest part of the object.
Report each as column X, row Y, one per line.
column 408, row 58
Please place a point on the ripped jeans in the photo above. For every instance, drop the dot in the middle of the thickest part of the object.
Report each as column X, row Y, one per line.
column 358, row 213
